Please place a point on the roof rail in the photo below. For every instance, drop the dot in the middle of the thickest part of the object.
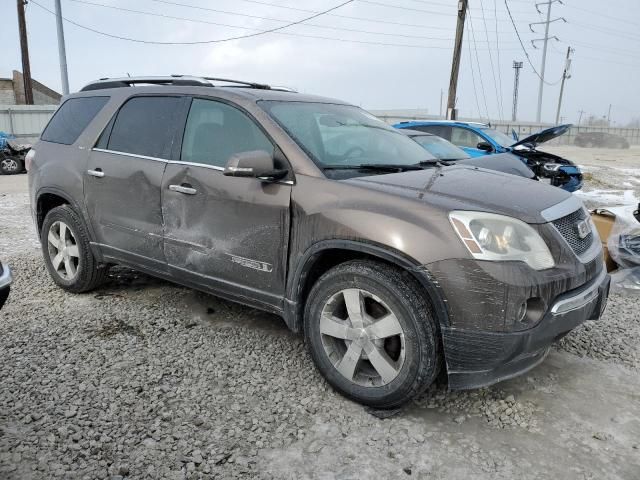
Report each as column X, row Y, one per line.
column 184, row 80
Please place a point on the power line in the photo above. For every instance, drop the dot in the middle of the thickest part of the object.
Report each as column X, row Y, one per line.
column 324, row 12
column 475, row 46
column 437, row 47
column 473, row 79
column 353, row 30
column 493, row 70
column 495, row 15
column 526, row 54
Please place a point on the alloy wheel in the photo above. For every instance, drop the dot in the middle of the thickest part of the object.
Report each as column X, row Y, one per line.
column 362, row 337
column 63, row 250
column 9, row 165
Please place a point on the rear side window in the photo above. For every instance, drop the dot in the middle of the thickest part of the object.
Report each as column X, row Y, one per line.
column 146, row 126
column 439, row 130
column 72, row 118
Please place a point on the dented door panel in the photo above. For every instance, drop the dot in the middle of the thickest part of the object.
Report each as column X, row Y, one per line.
column 231, row 235
column 124, row 206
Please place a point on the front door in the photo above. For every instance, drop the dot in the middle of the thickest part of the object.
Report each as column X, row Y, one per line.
column 226, row 234
column 122, row 184
column 468, row 141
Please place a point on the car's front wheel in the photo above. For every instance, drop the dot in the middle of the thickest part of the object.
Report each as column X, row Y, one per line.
column 372, row 334
column 66, row 250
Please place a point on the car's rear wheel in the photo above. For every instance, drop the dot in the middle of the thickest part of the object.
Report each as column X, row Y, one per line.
column 372, row 334
column 67, row 254
column 11, row 166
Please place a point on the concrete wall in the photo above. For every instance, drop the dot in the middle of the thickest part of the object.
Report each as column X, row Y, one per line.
column 7, row 97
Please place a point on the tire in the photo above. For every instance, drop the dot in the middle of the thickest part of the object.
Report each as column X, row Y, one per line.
column 82, row 273
column 11, row 166
column 409, row 361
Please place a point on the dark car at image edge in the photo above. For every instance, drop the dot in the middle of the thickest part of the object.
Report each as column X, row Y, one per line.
column 391, row 264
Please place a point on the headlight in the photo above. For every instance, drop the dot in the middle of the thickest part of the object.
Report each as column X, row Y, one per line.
column 493, row 237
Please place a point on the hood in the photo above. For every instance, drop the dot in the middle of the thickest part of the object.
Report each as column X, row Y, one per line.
column 470, row 188
column 501, row 162
column 544, row 135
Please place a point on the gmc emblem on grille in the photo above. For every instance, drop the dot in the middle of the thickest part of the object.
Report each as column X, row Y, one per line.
column 583, row 229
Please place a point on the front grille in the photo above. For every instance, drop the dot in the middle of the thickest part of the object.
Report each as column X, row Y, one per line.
column 567, row 226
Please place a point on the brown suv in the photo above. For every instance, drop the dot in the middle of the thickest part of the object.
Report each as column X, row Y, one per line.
column 393, row 265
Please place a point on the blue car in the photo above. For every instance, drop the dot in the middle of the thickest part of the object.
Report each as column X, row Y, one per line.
column 479, row 139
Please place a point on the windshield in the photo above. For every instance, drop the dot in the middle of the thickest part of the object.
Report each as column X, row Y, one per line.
column 499, row 137
column 343, row 135
column 440, row 148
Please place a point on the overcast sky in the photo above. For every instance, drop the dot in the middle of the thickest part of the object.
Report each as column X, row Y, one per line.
column 408, row 72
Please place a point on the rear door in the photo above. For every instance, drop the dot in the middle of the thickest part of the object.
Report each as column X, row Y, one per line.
column 123, row 180
column 227, row 234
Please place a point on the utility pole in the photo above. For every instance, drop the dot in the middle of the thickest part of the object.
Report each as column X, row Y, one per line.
column 24, row 51
column 581, row 112
column 609, row 116
column 62, row 53
column 544, row 48
column 565, row 75
column 516, row 83
column 455, row 64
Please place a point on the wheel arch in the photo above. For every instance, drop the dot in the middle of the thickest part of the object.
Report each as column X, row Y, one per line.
column 49, row 198
column 326, row 254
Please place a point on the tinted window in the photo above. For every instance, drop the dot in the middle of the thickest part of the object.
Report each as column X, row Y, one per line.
column 439, row 130
column 215, row 131
column 465, row 138
column 72, row 118
column 146, row 126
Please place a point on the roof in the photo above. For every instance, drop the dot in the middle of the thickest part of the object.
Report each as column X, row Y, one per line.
column 408, row 124
column 204, row 86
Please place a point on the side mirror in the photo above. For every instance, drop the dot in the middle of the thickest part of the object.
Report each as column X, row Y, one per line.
column 484, row 146
column 253, row 164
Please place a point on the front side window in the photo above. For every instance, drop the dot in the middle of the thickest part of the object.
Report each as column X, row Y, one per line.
column 343, row 135
column 499, row 137
column 215, row 131
column 72, row 118
column 465, row 138
column 146, row 126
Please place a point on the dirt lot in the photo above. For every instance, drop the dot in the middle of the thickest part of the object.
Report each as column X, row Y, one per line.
column 143, row 379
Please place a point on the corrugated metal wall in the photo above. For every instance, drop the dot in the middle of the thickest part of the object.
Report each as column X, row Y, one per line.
column 25, row 121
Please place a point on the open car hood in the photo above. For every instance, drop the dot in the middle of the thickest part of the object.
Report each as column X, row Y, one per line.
column 544, row 135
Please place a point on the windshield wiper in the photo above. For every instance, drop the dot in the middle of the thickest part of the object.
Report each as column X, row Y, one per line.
column 386, row 167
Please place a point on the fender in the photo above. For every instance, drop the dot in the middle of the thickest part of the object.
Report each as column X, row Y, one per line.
column 294, row 303
column 62, row 194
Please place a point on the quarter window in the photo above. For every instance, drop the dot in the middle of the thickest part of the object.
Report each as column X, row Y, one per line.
column 465, row 138
column 146, row 126
column 72, row 118
column 215, row 131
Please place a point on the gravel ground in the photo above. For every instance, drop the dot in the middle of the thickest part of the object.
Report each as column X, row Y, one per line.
column 144, row 379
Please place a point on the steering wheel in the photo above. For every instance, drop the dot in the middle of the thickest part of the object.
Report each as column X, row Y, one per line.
column 353, row 152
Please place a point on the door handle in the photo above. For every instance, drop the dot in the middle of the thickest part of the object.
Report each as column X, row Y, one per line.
column 96, row 173
column 186, row 189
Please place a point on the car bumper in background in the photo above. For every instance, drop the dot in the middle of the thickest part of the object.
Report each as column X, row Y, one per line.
column 5, row 277
column 480, row 358
column 5, row 281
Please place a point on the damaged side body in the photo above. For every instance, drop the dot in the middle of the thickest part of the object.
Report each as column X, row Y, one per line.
column 173, row 211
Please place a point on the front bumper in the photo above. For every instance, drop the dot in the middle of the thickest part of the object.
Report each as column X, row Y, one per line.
column 5, row 277
column 479, row 358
